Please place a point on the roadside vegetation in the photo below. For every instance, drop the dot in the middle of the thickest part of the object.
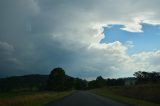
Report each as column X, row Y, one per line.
column 30, row 98
column 37, row 90
column 144, row 92
column 144, row 95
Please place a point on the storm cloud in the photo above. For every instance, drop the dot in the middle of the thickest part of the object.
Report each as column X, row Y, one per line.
column 38, row 35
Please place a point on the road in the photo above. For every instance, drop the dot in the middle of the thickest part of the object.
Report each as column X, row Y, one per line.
column 84, row 98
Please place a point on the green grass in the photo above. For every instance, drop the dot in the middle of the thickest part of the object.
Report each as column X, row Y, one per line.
column 114, row 93
column 31, row 98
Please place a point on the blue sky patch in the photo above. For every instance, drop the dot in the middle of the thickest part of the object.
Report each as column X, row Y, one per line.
column 148, row 40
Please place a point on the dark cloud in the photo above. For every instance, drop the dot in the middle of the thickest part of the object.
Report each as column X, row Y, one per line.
column 38, row 35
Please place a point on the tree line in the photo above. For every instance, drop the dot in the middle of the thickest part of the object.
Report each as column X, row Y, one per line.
column 57, row 80
column 147, row 77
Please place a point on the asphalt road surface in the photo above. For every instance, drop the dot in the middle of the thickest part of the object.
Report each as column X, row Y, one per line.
column 84, row 98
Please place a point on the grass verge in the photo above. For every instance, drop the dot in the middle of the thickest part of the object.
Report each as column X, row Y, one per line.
column 131, row 101
column 31, row 98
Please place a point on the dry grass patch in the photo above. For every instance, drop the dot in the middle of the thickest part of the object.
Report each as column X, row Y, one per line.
column 140, row 95
column 35, row 99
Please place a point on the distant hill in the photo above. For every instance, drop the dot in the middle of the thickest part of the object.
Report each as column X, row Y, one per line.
column 26, row 82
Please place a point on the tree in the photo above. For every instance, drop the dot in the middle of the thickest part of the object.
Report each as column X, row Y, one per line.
column 56, row 79
column 147, row 77
column 115, row 82
column 100, row 82
column 80, row 84
column 92, row 84
column 69, row 82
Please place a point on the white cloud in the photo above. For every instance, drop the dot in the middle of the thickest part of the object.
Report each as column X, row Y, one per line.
column 129, row 44
column 134, row 26
column 6, row 48
column 147, row 61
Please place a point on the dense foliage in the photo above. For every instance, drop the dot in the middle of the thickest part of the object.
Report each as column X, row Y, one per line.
column 23, row 83
column 57, row 80
column 147, row 77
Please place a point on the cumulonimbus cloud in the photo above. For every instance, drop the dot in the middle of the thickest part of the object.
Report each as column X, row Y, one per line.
column 50, row 33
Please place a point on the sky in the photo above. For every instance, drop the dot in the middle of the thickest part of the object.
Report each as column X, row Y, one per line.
column 148, row 40
column 88, row 38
